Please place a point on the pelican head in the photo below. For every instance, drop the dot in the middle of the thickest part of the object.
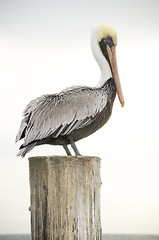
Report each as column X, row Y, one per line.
column 103, row 42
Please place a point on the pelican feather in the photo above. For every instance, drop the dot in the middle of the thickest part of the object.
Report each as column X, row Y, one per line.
column 63, row 112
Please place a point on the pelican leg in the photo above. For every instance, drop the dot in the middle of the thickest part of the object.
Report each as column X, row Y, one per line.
column 73, row 145
column 67, row 150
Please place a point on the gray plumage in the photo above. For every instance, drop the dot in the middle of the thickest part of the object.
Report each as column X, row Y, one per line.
column 53, row 119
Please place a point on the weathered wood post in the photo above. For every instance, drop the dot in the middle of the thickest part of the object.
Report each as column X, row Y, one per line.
column 65, row 198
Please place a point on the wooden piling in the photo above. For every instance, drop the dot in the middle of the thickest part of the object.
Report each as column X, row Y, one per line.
column 65, row 198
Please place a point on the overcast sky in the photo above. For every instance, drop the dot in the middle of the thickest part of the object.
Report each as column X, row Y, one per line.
column 45, row 47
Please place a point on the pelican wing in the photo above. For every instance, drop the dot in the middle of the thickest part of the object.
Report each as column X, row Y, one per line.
column 61, row 113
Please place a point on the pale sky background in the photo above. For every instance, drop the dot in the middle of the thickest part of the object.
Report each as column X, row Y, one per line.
column 45, row 47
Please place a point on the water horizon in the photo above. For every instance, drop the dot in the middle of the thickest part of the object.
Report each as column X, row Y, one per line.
column 104, row 236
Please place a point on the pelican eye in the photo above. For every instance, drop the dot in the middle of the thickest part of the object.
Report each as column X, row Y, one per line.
column 109, row 41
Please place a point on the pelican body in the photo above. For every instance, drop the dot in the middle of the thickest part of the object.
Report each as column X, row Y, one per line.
column 76, row 112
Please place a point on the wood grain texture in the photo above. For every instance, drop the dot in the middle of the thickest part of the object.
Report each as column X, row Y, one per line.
column 65, row 198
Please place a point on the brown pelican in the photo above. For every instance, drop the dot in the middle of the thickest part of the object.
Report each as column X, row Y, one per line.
column 76, row 112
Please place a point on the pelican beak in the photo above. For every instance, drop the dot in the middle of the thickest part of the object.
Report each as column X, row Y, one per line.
column 112, row 57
